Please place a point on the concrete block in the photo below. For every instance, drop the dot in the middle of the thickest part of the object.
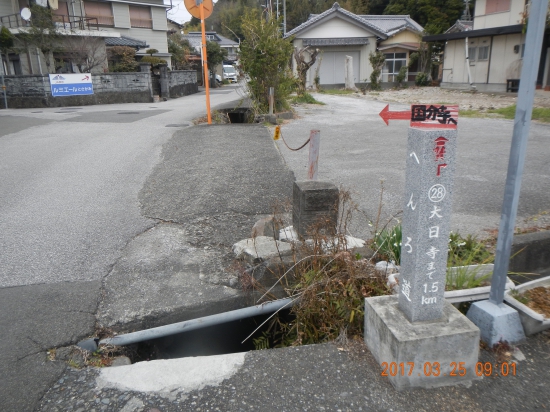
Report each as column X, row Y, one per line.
column 530, row 253
column 260, row 249
column 496, row 322
column 452, row 342
column 314, row 203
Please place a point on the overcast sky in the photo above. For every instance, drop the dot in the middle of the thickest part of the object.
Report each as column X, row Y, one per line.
column 179, row 13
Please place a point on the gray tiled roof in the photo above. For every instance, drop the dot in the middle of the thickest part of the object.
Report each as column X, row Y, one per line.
column 125, row 41
column 348, row 41
column 195, row 39
column 314, row 18
column 392, row 23
column 461, row 25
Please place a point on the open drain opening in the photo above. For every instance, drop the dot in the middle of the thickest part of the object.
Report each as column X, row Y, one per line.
column 239, row 115
column 213, row 340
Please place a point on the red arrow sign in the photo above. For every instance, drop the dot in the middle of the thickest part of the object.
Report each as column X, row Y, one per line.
column 425, row 116
column 386, row 115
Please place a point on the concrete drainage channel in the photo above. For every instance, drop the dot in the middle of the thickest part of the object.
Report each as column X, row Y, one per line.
column 239, row 115
column 223, row 333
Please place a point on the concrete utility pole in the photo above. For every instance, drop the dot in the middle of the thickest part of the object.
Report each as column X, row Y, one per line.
column 522, row 124
column 499, row 322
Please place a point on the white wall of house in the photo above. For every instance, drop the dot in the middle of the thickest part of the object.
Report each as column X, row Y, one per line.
column 334, row 56
column 405, row 36
column 505, row 63
column 7, row 8
column 513, row 15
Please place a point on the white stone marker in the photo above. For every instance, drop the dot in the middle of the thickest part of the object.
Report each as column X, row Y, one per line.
column 426, row 222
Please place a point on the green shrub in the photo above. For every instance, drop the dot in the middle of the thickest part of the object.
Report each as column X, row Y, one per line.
column 388, row 244
column 421, row 79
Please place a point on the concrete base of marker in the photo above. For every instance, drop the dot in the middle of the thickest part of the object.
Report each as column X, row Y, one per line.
column 496, row 322
column 453, row 342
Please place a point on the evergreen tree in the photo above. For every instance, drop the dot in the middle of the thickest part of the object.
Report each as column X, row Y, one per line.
column 435, row 16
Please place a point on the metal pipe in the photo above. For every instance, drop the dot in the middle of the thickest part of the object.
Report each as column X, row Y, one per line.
column 468, row 61
column 516, row 162
column 193, row 324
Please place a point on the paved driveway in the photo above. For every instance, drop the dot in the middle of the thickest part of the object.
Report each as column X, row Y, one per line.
column 361, row 153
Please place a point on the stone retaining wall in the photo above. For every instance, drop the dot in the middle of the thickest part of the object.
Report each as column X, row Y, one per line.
column 136, row 87
column 182, row 83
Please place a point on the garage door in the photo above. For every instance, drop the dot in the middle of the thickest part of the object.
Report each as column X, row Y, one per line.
column 333, row 67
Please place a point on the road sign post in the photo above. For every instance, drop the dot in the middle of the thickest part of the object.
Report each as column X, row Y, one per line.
column 202, row 9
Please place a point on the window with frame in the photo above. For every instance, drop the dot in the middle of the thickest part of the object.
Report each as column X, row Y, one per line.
column 472, row 53
column 140, row 17
column 497, row 6
column 392, row 65
column 483, row 53
column 102, row 11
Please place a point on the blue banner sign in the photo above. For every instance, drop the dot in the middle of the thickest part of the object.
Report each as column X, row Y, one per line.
column 71, row 84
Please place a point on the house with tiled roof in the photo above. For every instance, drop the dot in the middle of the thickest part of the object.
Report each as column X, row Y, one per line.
column 195, row 40
column 486, row 54
column 339, row 33
column 140, row 24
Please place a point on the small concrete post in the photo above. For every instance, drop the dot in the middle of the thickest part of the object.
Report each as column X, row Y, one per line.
column 426, row 222
column 271, row 99
column 164, row 81
column 314, row 143
column 314, row 203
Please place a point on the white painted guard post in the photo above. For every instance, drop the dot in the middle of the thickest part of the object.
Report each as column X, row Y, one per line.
column 314, row 143
column 271, row 100
column 419, row 339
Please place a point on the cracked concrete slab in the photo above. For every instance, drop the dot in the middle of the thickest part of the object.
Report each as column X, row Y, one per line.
column 207, row 196
column 161, row 278
column 67, row 308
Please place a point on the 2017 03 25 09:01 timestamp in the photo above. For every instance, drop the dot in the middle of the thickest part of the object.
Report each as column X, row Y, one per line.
column 456, row 369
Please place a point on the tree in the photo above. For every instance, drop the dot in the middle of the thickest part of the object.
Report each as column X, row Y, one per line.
column 215, row 54
column 42, row 33
column 265, row 57
column 180, row 50
column 303, row 64
column 6, row 44
column 87, row 53
column 377, row 60
column 435, row 16
column 122, row 59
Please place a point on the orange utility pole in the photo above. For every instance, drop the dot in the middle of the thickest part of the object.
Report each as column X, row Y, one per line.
column 205, row 63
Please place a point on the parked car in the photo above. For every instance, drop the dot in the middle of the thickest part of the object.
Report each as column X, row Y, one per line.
column 229, row 73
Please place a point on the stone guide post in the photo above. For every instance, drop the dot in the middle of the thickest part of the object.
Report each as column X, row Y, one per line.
column 164, row 82
column 426, row 222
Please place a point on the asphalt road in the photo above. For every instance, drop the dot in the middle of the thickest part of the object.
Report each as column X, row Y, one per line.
column 69, row 183
column 359, row 152
column 69, row 201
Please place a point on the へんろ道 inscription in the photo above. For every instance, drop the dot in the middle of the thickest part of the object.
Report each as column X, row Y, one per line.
column 426, row 220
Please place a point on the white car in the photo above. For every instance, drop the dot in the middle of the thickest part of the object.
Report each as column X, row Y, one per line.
column 229, row 73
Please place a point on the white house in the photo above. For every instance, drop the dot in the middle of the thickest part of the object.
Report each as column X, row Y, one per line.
column 142, row 23
column 339, row 33
column 495, row 43
column 195, row 40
